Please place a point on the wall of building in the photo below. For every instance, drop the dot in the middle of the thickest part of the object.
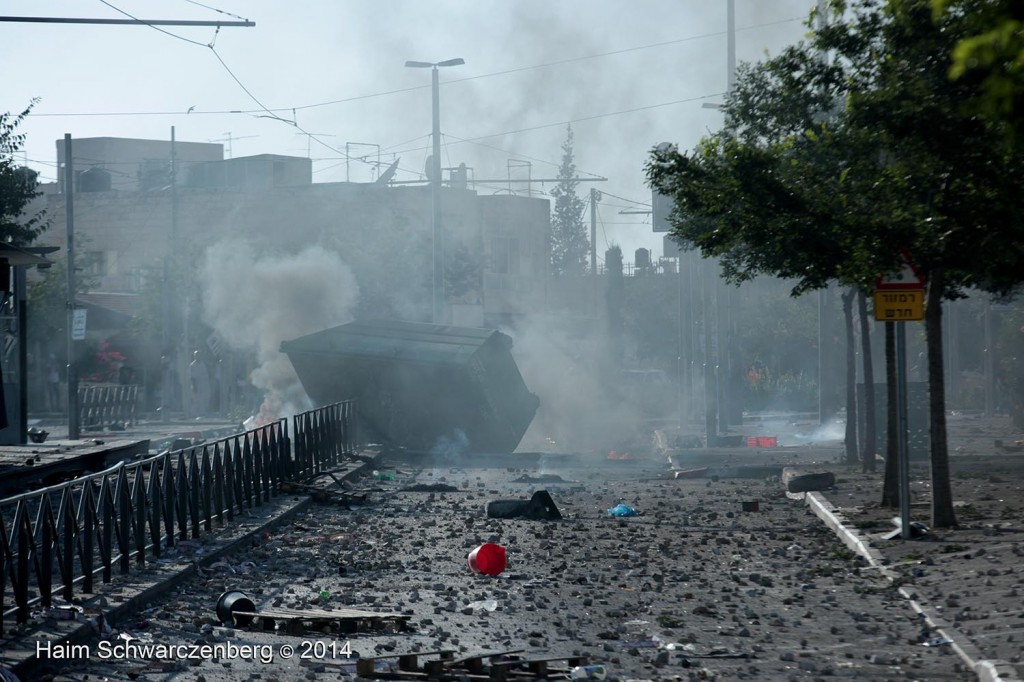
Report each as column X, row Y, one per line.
column 251, row 173
column 136, row 165
column 516, row 234
column 382, row 232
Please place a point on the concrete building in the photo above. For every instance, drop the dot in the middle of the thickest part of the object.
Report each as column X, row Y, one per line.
column 128, row 218
column 132, row 165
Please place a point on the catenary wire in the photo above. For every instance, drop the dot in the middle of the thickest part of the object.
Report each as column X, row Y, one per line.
column 401, row 90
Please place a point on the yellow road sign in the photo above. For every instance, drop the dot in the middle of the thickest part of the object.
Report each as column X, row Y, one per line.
column 902, row 305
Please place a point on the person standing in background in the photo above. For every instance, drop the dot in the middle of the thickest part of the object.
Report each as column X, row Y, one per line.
column 53, row 384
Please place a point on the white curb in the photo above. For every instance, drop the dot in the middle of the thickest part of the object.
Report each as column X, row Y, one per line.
column 987, row 670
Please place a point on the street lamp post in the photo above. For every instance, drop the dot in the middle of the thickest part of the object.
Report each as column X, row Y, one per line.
column 438, row 288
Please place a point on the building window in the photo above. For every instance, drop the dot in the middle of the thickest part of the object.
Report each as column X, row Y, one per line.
column 506, row 255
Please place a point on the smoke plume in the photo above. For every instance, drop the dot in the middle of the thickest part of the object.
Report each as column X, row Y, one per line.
column 256, row 301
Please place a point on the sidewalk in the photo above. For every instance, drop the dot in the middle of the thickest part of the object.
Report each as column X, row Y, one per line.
column 966, row 583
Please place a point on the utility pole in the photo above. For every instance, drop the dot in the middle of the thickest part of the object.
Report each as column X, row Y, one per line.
column 183, row 379
column 439, row 298
column 20, row 289
column 726, row 299
column 74, row 431
column 435, row 201
column 593, row 245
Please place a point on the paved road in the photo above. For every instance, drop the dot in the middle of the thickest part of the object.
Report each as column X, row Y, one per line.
column 695, row 587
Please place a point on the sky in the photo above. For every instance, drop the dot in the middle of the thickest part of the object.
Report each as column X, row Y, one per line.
column 313, row 76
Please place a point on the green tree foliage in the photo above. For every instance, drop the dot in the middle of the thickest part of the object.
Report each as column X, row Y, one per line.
column 993, row 51
column 463, row 276
column 569, row 242
column 48, row 305
column 17, row 185
column 826, row 169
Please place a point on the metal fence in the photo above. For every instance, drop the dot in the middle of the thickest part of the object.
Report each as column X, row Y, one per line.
column 59, row 539
column 108, row 404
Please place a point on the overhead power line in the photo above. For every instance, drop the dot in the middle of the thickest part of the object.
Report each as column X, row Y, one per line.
column 570, row 121
column 395, row 91
column 130, row 22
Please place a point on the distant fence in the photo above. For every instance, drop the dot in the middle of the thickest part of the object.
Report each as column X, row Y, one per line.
column 58, row 539
column 102, row 405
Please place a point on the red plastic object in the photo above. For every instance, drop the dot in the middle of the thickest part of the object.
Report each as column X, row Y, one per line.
column 488, row 559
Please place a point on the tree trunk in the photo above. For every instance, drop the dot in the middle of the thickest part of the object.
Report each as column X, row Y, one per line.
column 851, row 380
column 869, row 446
column 891, row 486
column 942, row 492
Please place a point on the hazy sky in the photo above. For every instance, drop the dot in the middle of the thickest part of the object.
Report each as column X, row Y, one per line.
column 336, row 68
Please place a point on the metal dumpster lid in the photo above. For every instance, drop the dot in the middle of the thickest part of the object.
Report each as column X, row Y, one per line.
column 395, row 339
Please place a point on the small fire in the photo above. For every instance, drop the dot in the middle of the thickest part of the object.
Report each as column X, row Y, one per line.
column 270, row 412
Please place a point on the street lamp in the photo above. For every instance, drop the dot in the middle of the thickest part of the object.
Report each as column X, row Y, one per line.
column 438, row 289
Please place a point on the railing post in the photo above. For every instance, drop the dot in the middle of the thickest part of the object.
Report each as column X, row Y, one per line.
column 207, row 483
column 218, row 484
column 67, row 533
column 46, row 546
column 155, row 493
column 181, row 495
column 123, row 519
column 194, row 482
column 168, row 504
column 87, row 546
column 22, row 526
column 139, row 517
column 106, row 509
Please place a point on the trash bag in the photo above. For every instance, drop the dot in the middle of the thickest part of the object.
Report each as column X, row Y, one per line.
column 622, row 509
column 540, row 507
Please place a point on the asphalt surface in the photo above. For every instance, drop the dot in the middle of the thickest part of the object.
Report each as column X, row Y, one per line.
column 693, row 588
column 714, row 579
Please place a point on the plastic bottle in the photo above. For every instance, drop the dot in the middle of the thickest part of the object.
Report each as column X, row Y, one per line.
column 588, row 672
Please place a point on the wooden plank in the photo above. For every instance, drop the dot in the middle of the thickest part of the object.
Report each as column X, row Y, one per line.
column 478, row 663
column 323, row 613
column 407, row 662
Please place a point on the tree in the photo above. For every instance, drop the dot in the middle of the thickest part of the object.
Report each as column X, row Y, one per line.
column 867, row 457
column 993, row 51
column 569, row 242
column 850, row 440
column 17, row 185
column 802, row 187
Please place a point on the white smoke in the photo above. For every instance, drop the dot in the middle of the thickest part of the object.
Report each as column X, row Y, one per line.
column 575, row 380
column 256, row 301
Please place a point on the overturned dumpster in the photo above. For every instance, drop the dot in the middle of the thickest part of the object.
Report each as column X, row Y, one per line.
column 420, row 386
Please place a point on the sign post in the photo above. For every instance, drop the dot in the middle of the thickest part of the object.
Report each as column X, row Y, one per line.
column 899, row 298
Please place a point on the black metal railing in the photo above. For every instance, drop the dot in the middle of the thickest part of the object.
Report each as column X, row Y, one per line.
column 322, row 436
column 59, row 539
column 103, row 405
